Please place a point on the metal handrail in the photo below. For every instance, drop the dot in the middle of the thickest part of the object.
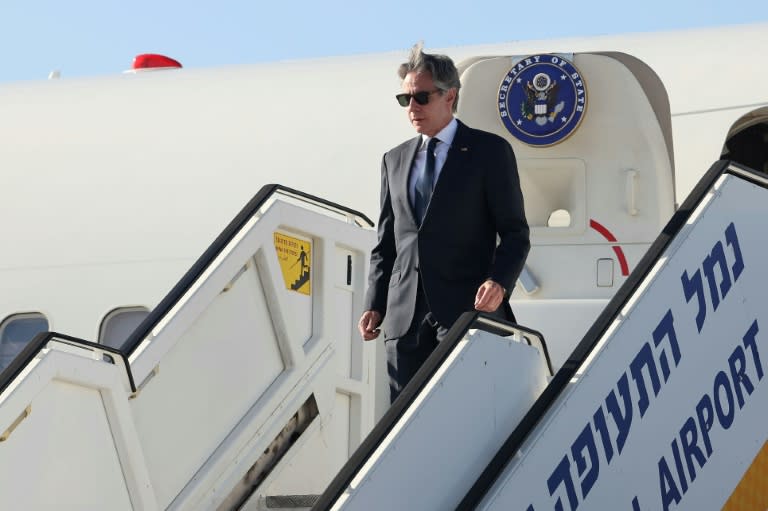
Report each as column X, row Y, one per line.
column 41, row 340
column 520, row 331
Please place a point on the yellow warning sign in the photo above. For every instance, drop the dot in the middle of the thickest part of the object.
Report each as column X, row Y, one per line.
column 295, row 257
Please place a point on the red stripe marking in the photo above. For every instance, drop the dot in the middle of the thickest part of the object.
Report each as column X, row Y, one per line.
column 622, row 260
column 602, row 230
column 617, row 249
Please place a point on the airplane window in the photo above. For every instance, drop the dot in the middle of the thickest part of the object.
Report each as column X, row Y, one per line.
column 16, row 331
column 119, row 324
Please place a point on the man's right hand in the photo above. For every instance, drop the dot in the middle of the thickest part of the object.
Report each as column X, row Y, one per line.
column 369, row 325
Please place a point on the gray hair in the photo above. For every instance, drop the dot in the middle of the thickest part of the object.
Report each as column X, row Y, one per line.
column 441, row 67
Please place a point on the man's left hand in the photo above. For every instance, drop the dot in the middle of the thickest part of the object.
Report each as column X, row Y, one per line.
column 489, row 296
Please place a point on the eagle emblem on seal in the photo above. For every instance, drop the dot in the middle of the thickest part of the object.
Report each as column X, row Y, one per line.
column 541, row 104
column 542, row 99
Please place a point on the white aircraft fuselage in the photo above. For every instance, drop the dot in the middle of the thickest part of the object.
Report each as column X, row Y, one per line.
column 114, row 185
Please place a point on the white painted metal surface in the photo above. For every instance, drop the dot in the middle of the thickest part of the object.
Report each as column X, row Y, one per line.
column 239, row 356
column 674, row 397
column 586, row 175
column 70, row 440
column 452, row 429
column 221, row 381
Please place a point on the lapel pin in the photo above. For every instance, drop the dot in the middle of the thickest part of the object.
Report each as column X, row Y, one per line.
column 464, row 149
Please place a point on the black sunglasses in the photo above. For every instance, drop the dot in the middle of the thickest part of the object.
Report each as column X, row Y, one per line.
column 421, row 98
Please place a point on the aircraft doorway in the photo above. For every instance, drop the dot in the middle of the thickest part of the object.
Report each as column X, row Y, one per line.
column 747, row 141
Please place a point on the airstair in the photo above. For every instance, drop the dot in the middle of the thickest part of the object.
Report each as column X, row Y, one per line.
column 660, row 406
column 238, row 393
column 248, row 380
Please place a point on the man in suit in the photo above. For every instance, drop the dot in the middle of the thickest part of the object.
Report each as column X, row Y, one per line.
column 445, row 196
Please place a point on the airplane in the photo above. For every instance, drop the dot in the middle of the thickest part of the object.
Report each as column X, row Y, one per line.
column 114, row 185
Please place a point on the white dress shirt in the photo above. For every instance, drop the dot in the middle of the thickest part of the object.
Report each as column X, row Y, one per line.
column 445, row 136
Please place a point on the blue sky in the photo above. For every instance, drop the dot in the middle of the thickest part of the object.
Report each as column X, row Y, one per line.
column 84, row 38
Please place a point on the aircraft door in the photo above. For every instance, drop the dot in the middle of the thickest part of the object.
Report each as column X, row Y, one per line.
column 592, row 137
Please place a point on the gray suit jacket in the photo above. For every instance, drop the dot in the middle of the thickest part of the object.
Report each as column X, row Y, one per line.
column 476, row 197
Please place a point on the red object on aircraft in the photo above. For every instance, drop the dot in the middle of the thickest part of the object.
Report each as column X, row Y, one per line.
column 154, row 61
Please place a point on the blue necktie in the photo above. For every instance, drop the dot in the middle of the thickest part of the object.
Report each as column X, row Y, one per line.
column 425, row 182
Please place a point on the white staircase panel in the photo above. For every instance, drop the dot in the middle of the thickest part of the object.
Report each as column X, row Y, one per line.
column 673, row 394
column 452, row 429
column 198, row 401
column 260, row 335
column 76, row 448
